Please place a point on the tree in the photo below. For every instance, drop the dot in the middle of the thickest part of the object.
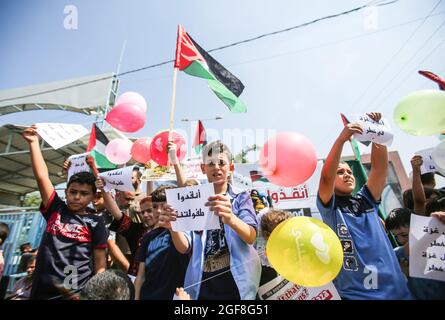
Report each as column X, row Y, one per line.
column 242, row 156
column 32, row 200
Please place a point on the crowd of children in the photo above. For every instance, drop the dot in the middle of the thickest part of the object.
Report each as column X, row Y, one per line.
column 125, row 248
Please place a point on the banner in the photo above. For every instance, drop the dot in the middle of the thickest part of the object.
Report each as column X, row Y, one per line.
column 191, row 169
column 281, row 289
column 298, row 201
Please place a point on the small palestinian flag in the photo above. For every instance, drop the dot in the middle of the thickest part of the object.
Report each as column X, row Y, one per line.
column 96, row 147
column 200, row 138
column 257, row 176
column 195, row 61
column 354, row 144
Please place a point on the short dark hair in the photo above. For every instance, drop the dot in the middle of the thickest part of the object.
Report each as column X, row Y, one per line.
column 139, row 173
column 4, row 232
column 159, row 194
column 23, row 246
column 428, row 178
column 216, row 147
column 108, row 285
column 83, row 178
column 31, row 259
column 397, row 218
column 433, row 205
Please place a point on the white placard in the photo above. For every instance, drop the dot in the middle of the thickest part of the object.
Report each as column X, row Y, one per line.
column 189, row 202
column 58, row 135
column 78, row 164
column 428, row 164
column 119, row 179
column 426, row 248
column 379, row 132
column 281, row 289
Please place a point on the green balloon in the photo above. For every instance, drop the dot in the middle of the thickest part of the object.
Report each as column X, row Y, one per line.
column 422, row 113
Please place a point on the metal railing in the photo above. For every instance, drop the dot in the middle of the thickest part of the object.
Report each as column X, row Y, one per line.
column 25, row 225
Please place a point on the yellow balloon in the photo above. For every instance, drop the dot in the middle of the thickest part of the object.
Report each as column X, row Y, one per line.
column 305, row 251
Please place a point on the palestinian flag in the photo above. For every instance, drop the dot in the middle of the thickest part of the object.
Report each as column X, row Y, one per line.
column 354, row 144
column 257, row 176
column 96, row 147
column 200, row 138
column 195, row 61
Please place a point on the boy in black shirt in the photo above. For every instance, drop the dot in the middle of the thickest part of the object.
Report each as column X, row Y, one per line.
column 161, row 267
column 73, row 245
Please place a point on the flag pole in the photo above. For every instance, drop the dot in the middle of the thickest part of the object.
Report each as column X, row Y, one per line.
column 172, row 110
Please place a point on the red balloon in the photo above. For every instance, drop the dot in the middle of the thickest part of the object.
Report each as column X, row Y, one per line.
column 126, row 117
column 288, row 159
column 158, row 147
column 140, row 151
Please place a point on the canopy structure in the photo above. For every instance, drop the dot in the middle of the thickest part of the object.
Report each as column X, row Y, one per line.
column 87, row 95
column 16, row 175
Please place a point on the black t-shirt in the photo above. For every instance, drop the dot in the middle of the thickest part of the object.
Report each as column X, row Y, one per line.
column 132, row 232
column 65, row 257
column 164, row 266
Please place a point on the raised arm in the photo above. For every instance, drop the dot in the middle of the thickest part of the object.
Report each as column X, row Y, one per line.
column 173, row 158
column 39, row 167
column 109, row 202
column 419, row 198
column 379, row 165
column 329, row 171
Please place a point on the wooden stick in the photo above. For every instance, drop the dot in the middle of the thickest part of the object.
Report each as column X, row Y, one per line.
column 172, row 111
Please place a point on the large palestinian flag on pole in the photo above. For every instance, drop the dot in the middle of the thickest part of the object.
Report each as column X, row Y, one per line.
column 194, row 60
column 96, row 147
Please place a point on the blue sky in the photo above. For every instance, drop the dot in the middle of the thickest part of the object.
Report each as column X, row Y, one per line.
column 298, row 80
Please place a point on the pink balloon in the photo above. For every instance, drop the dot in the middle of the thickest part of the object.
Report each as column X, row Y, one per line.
column 118, row 151
column 288, row 159
column 126, row 117
column 158, row 148
column 141, row 150
column 131, row 97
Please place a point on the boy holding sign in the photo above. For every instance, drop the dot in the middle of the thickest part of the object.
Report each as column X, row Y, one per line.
column 224, row 263
column 73, row 245
column 370, row 268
